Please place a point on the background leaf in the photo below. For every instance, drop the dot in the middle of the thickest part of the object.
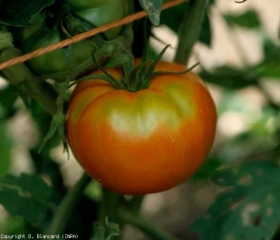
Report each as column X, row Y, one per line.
column 6, row 39
column 153, row 8
column 205, row 35
column 8, row 96
column 22, row 13
column 269, row 67
column 249, row 209
column 207, row 169
column 5, row 148
column 27, row 196
column 248, row 19
column 229, row 77
column 105, row 231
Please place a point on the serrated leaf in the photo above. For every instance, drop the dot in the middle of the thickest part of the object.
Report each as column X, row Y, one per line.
column 105, row 231
column 153, row 8
column 22, row 13
column 249, row 209
column 249, row 19
column 27, row 196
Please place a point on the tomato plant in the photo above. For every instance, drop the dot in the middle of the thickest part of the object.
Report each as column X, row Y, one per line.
column 38, row 35
column 144, row 141
column 139, row 127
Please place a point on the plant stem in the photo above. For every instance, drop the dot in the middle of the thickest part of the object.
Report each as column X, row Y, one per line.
column 138, row 221
column 190, row 29
column 63, row 211
column 111, row 201
column 18, row 74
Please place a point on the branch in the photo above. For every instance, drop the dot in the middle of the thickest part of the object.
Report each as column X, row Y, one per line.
column 138, row 221
column 64, row 210
column 40, row 91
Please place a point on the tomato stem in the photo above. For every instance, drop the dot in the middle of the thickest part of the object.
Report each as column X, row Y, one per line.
column 190, row 29
column 110, row 78
column 63, row 211
column 135, row 219
column 111, row 201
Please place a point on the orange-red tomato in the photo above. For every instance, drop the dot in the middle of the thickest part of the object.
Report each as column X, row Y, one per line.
column 145, row 141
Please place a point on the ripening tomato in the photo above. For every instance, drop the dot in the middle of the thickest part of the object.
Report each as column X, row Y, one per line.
column 56, row 61
column 100, row 12
column 145, row 141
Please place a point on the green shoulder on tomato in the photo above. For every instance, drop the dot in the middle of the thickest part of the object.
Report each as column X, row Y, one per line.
column 145, row 141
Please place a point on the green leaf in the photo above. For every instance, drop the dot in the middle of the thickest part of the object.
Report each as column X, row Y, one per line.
column 172, row 17
column 8, row 96
column 105, row 231
column 47, row 166
column 23, row 93
column 6, row 40
column 5, row 149
column 229, row 77
column 205, row 35
column 22, row 13
column 27, row 196
column 153, row 8
column 249, row 19
column 269, row 67
column 57, row 124
column 207, row 169
column 249, row 209
column 43, row 121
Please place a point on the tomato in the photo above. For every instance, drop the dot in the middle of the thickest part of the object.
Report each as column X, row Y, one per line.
column 38, row 35
column 100, row 12
column 56, row 61
column 145, row 141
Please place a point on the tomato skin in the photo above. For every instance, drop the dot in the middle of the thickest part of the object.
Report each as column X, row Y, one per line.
column 56, row 61
column 146, row 141
column 101, row 12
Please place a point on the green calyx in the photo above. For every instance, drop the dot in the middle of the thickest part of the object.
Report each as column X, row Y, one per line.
column 135, row 78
